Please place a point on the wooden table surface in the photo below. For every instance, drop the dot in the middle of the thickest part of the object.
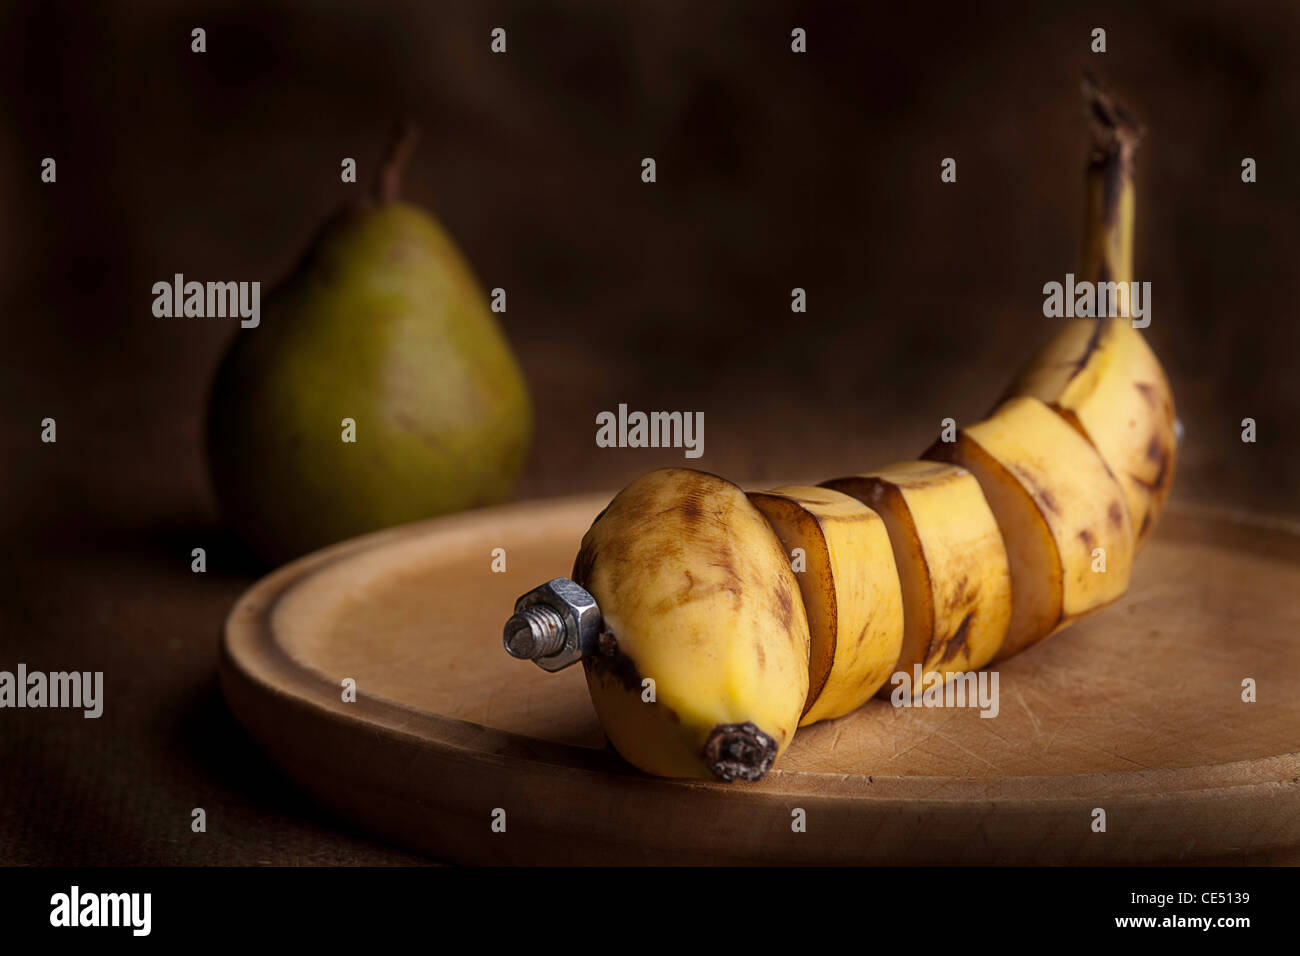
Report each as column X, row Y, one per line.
column 1136, row 710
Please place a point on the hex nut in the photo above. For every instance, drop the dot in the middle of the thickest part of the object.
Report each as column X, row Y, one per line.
column 581, row 620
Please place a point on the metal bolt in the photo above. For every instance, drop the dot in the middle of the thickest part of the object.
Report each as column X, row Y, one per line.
column 534, row 632
column 555, row 624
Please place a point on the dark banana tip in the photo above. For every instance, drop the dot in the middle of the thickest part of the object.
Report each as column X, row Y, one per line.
column 1114, row 130
column 739, row 750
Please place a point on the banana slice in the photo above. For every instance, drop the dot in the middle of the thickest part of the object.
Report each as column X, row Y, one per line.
column 1102, row 377
column 951, row 563
column 1062, row 514
column 702, row 667
column 850, row 590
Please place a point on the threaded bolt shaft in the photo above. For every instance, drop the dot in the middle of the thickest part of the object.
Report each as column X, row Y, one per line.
column 535, row 632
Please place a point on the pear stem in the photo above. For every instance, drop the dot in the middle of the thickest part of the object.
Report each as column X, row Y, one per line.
column 402, row 145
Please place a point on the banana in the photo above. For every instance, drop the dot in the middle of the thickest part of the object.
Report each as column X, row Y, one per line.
column 1029, row 520
column 1103, row 379
column 1061, row 513
column 696, row 594
column 1100, row 374
column 951, row 563
column 850, row 589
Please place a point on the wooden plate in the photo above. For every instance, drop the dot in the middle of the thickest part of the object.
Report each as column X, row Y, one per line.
column 1136, row 711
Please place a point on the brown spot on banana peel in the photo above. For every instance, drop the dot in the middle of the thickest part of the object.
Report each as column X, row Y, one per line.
column 690, row 585
column 689, row 509
column 1045, row 499
column 961, row 595
column 785, row 605
column 1158, row 453
column 726, row 561
column 1148, row 392
column 1093, row 343
column 610, row 661
column 731, row 585
column 1158, row 482
column 1115, row 515
column 872, row 677
column 957, row 642
column 1089, row 541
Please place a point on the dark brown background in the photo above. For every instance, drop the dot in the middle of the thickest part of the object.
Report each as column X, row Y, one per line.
column 775, row 171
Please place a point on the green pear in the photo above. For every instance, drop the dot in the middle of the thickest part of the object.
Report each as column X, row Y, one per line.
column 382, row 324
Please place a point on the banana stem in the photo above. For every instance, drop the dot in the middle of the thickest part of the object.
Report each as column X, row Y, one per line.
column 389, row 185
column 1111, row 202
